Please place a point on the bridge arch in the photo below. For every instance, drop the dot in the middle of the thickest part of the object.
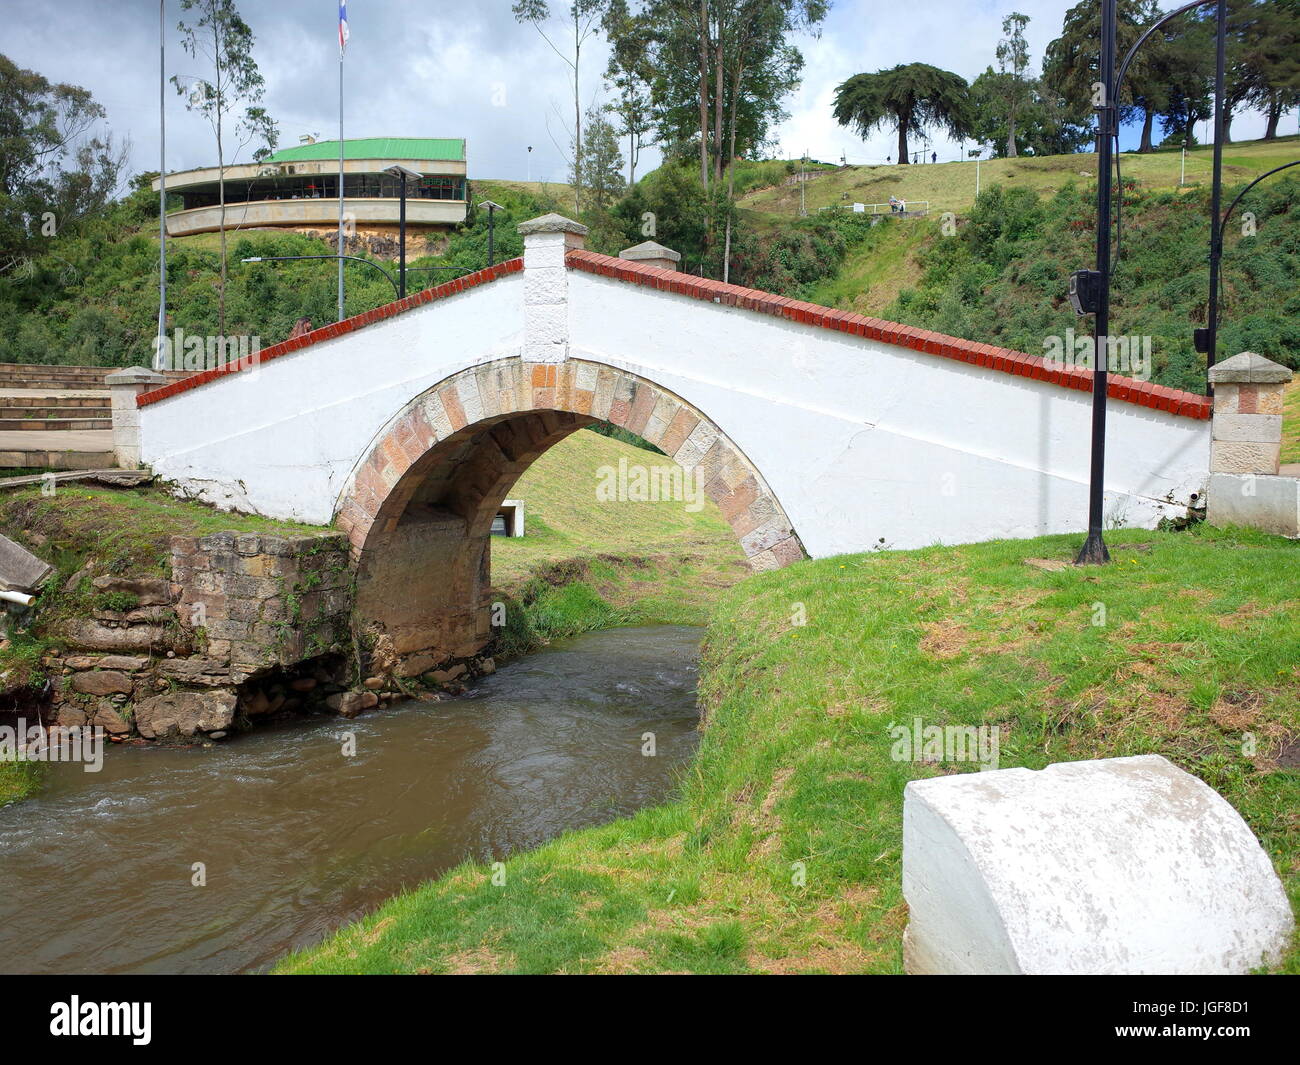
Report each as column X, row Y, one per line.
column 418, row 506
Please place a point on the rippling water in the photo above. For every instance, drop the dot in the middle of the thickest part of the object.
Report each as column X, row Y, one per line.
column 95, row 872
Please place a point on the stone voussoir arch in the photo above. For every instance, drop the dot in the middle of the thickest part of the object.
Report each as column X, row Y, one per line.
column 384, row 481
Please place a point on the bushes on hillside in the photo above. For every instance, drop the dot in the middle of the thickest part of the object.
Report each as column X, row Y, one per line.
column 1003, row 277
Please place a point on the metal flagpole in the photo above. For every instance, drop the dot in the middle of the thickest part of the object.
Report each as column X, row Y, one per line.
column 344, row 34
column 162, row 180
column 339, row 249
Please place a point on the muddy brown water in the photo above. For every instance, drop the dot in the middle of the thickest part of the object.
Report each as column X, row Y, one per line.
column 297, row 839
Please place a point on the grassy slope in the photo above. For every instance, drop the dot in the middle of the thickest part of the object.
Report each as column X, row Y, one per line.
column 1201, row 644
column 647, row 562
column 874, row 272
column 951, row 186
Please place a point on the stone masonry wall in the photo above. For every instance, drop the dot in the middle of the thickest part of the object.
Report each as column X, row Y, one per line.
column 176, row 665
column 256, row 601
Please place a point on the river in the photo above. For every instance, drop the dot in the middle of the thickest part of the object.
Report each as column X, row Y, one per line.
column 296, row 838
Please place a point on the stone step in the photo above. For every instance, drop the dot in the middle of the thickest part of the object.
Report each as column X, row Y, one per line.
column 56, row 460
column 66, row 409
column 52, row 397
column 13, row 381
column 37, row 425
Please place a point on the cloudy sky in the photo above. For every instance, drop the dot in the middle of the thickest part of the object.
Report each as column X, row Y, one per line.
column 468, row 70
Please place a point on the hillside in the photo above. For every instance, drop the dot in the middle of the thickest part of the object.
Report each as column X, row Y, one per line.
column 998, row 272
column 951, row 186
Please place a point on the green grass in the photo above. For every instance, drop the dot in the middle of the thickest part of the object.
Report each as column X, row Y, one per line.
column 875, row 271
column 586, row 564
column 951, row 186
column 125, row 530
column 1291, row 423
column 19, row 780
column 1200, row 646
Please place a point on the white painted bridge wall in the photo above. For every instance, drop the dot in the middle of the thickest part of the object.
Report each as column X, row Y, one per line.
column 864, row 444
column 863, row 441
column 282, row 439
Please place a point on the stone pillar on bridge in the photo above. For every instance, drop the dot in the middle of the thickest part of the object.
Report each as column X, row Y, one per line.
column 124, row 386
column 651, row 253
column 546, row 285
column 1246, row 436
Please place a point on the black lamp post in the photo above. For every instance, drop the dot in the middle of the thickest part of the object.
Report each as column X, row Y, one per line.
column 1090, row 289
column 492, row 209
column 402, row 173
column 1090, row 294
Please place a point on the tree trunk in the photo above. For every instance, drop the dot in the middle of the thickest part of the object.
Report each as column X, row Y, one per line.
column 717, row 108
column 1011, row 136
column 731, row 171
column 221, row 186
column 1274, row 115
column 902, row 142
column 704, row 93
column 577, row 116
column 1147, row 121
column 1227, row 125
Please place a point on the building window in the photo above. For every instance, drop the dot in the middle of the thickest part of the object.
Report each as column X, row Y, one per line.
column 324, row 186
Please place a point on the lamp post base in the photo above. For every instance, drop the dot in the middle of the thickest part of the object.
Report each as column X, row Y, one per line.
column 1093, row 552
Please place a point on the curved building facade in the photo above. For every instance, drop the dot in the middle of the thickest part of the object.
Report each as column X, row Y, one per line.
column 297, row 188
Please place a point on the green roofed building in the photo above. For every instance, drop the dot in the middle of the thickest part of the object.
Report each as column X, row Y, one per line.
column 297, row 188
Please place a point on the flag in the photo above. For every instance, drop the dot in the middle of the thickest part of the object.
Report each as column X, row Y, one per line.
column 343, row 25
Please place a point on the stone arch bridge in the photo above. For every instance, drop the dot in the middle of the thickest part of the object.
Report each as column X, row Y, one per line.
column 816, row 431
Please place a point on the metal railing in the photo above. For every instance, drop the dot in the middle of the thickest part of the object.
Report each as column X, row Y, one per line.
column 903, row 207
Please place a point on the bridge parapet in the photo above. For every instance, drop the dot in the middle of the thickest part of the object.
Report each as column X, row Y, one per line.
column 124, row 386
column 1246, row 446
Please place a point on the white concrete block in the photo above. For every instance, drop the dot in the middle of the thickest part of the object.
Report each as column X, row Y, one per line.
column 470, row 400
column 1250, row 428
column 587, row 377
column 1120, row 865
column 1261, row 501
column 546, row 284
column 547, row 338
column 542, row 250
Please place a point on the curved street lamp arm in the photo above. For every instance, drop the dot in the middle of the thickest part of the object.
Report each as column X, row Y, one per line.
column 1114, row 91
column 1223, row 222
column 1123, row 67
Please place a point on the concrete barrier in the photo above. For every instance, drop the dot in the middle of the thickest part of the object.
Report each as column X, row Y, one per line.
column 1120, row 865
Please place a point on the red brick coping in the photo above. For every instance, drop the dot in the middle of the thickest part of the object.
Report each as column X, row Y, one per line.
column 1125, row 389
column 335, row 329
column 1142, row 393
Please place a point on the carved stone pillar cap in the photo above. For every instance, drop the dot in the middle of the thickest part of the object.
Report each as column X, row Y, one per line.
column 1249, row 369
